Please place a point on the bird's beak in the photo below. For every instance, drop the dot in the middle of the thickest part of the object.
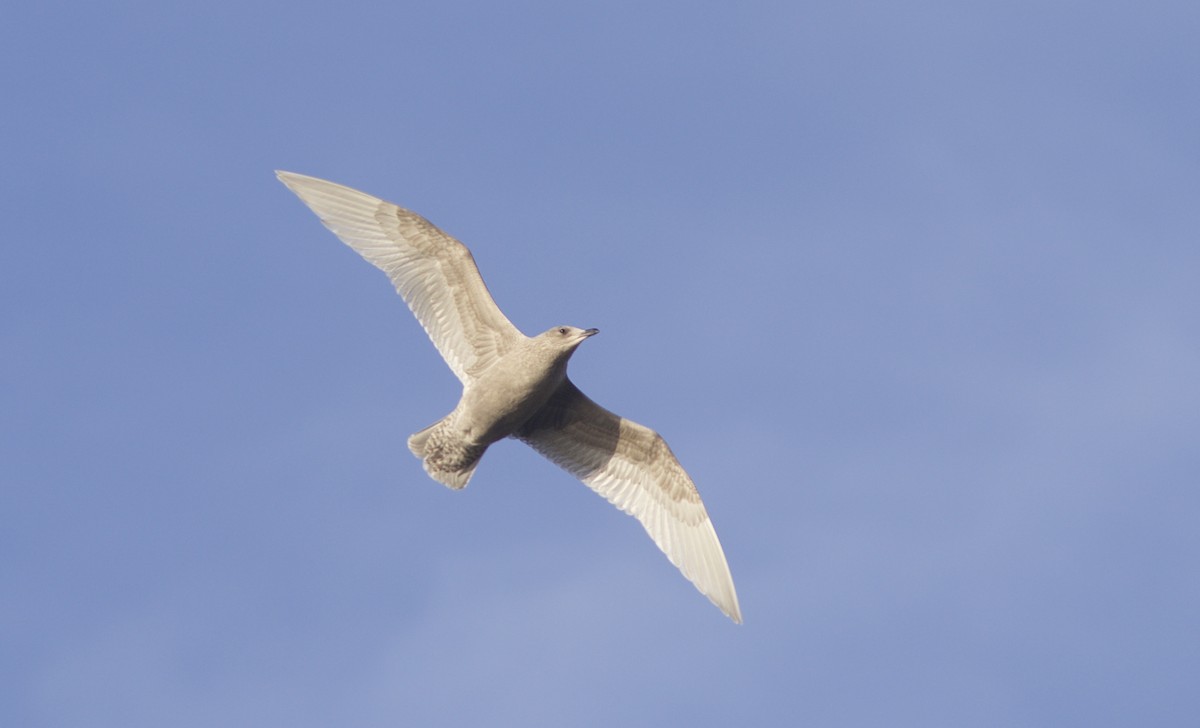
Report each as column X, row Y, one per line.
column 590, row 332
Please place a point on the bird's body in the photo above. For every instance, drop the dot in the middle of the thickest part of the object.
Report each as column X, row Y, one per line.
column 496, row 404
column 517, row 386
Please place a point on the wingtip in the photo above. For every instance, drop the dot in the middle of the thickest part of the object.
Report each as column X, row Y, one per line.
column 733, row 611
column 302, row 184
column 288, row 178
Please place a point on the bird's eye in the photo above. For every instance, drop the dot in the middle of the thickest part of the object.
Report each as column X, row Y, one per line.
column 563, row 331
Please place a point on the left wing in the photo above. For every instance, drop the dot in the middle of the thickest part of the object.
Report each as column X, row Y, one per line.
column 632, row 467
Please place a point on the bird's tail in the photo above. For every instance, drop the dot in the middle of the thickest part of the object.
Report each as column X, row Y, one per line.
column 446, row 457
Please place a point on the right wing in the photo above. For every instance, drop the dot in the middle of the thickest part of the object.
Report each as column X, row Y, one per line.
column 434, row 273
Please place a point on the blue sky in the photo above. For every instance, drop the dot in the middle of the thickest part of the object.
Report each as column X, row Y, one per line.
column 909, row 288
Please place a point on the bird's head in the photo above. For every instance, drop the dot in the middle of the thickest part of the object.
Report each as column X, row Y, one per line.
column 566, row 338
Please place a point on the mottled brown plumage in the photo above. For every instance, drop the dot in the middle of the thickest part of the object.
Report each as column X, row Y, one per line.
column 517, row 386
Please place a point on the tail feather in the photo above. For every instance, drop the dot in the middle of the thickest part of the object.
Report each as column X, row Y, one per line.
column 446, row 457
column 417, row 440
column 455, row 478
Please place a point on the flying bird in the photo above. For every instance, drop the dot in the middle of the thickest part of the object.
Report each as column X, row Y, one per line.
column 517, row 386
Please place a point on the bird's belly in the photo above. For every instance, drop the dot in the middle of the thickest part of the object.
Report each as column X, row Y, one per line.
column 493, row 410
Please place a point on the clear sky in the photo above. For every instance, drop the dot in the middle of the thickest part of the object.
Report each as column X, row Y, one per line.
column 910, row 288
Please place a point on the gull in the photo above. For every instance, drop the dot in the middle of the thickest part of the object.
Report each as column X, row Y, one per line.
column 517, row 386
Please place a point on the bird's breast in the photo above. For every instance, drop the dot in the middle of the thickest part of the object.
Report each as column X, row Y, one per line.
column 504, row 397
